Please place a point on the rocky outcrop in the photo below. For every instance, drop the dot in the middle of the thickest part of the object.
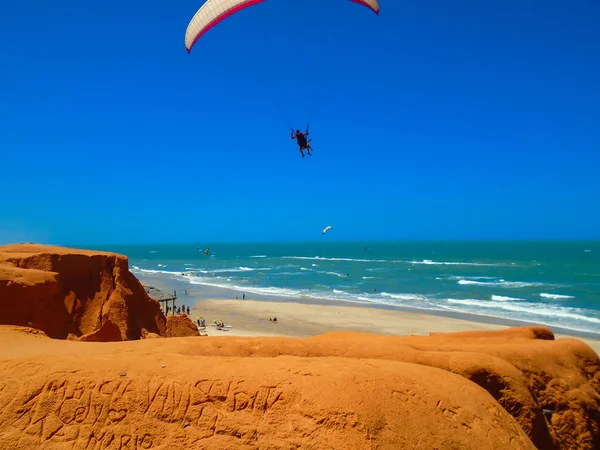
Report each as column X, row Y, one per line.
column 164, row 394
column 79, row 294
column 181, row 326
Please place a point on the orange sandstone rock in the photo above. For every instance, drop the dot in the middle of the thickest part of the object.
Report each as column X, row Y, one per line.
column 181, row 326
column 64, row 291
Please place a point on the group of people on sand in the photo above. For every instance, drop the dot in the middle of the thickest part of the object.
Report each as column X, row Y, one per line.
column 178, row 310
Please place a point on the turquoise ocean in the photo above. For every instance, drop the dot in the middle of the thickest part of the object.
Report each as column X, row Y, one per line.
column 551, row 283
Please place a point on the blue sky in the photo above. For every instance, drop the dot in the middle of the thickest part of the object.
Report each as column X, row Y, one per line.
column 433, row 120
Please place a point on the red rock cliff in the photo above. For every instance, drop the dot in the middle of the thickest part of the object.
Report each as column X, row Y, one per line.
column 87, row 294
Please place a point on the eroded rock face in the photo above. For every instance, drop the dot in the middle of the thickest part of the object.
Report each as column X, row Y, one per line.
column 337, row 390
column 74, row 292
column 159, row 394
column 181, row 326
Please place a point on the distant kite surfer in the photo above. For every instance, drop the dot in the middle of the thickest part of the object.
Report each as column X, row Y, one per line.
column 303, row 143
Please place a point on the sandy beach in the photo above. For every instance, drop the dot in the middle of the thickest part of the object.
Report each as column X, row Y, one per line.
column 251, row 318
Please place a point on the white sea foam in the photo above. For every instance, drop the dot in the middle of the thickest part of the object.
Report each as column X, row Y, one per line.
column 503, row 298
column 230, row 270
column 341, row 275
column 476, row 278
column 529, row 308
column 320, row 258
column 499, row 283
column 556, row 296
column 166, row 272
column 429, row 262
column 259, row 256
column 404, row 297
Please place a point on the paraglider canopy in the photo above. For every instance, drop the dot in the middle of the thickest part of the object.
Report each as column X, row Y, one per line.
column 212, row 12
column 326, row 229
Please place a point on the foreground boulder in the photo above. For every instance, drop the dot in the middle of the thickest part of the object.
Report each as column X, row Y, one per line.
column 75, row 294
column 160, row 394
column 336, row 390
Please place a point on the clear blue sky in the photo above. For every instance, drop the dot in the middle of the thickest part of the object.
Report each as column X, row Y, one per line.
column 433, row 120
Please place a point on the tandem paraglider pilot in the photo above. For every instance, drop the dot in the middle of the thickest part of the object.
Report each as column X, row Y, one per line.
column 303, row 143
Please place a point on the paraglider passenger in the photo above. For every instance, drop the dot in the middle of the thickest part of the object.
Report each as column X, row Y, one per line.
column 302, row 142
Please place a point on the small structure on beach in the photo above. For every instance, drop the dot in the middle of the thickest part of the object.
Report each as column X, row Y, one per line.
column 162, row 297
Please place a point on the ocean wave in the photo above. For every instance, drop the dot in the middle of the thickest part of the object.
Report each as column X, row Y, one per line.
column 341, row 275
column 405, row 297
column 273, row 291
column 368, row 278
column 503, row 298
column 321, row 258
column 270, row 291
column 166, row 272
column 395, row 261
column 429, row 262
column 288, row 274
column 500, row 283
column 230, row 270
column 555, row 296
column 259, row 256
column 534, row 309
column 475, row 278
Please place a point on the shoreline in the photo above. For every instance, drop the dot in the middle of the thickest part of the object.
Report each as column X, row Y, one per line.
column 250, row 318
column 199, row 292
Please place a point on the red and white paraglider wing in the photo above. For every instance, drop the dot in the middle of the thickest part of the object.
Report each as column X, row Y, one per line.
column 210, row 14
column 371, row 4
column 214, row 11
